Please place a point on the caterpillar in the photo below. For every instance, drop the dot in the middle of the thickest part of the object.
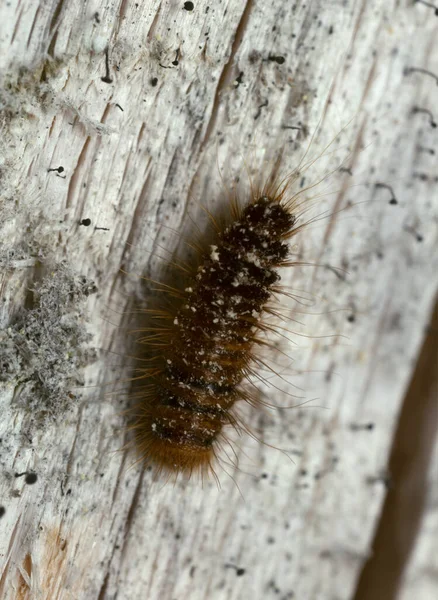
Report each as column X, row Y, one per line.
column 201, row 340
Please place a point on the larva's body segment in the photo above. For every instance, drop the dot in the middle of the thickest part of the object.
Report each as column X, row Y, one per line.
column 207, row 348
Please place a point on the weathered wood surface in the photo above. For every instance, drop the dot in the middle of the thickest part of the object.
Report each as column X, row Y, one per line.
column 405, row 547
column 139, row 147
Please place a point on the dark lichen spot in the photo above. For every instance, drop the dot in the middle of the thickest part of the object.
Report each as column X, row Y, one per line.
column 31, row 478
column 106, row 78
column 239, row 79
column 362, row 427
column 278, row 59
column 57, row 169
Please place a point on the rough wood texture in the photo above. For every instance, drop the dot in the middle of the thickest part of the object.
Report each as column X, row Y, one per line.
column 138, row 102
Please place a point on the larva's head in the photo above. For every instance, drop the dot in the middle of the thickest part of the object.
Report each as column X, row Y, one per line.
column 271, row 214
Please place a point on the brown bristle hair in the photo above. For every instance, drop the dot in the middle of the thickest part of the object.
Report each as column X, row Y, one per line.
column 200, row 339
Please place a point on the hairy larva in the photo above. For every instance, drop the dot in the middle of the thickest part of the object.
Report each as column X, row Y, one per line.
column 201, row 341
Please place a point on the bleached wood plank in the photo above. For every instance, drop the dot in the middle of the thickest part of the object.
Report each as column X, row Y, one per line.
column 135, row 152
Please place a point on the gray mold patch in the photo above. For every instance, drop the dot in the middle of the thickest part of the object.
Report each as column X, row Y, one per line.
column 45, row 345
column 25, row 91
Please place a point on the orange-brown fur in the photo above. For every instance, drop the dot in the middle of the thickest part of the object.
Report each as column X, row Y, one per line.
column 200, row 343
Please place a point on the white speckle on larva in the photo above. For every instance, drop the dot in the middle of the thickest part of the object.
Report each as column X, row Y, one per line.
column 169, row 362
column 215, row 320
column 253, row 258
column 154, row 426
column 175, row 321
column 214, row 255
column 189, row 289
